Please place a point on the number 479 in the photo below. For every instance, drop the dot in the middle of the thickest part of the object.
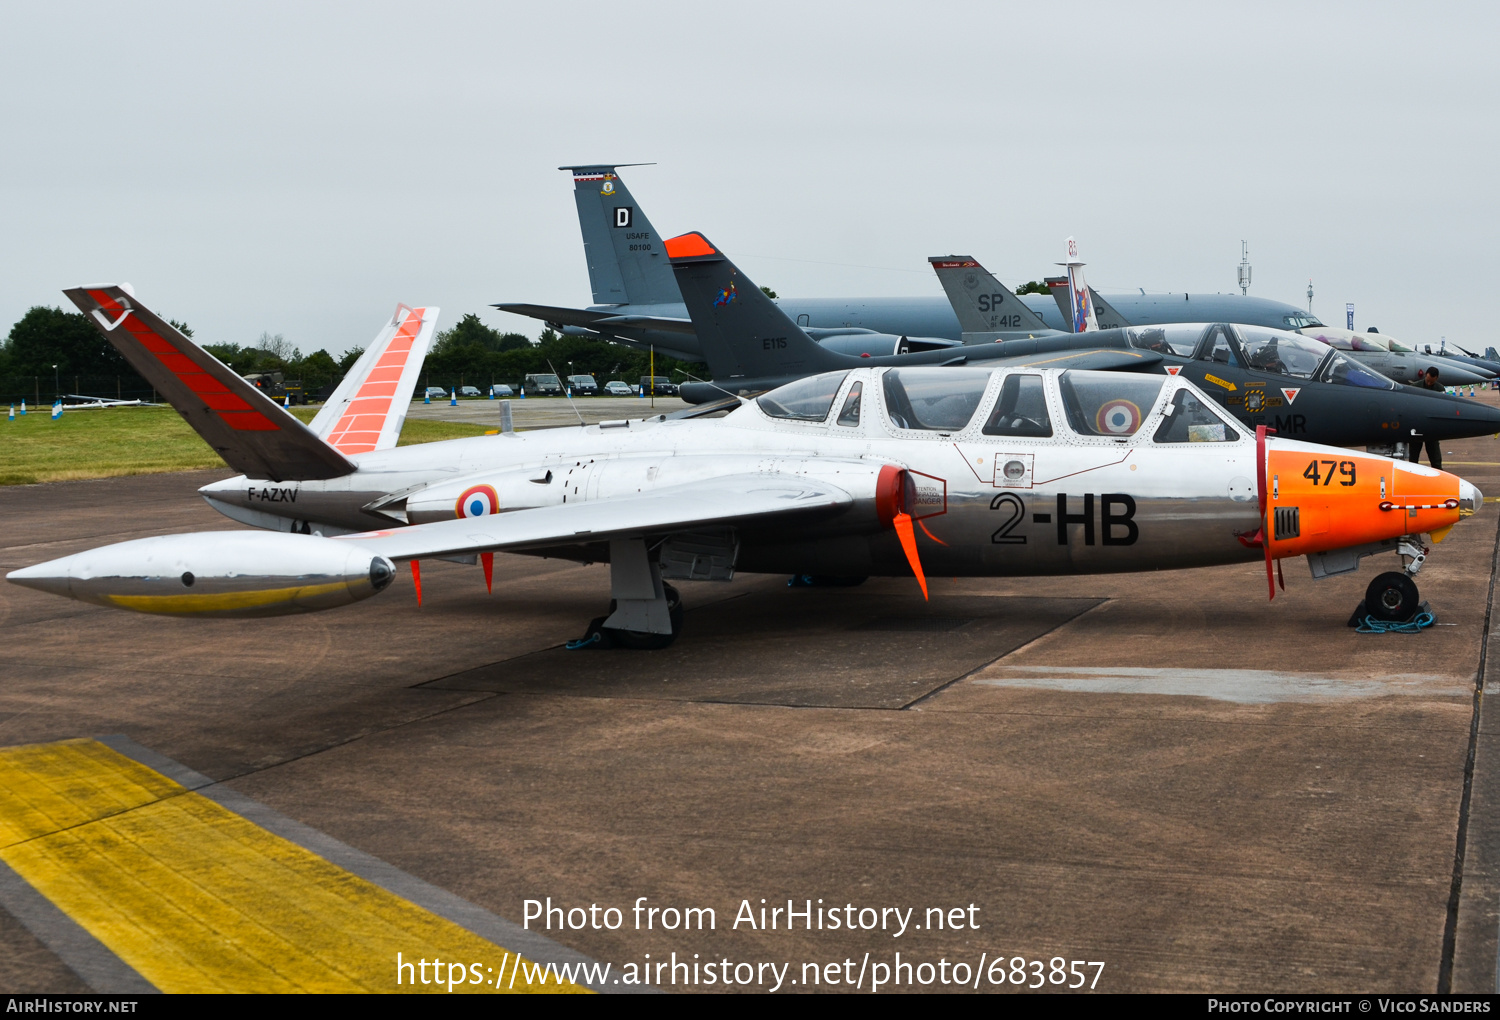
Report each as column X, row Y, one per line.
column 1345, row 468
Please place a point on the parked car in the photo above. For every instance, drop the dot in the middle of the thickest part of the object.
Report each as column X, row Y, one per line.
column 273, row 385
column 583, row 385
column 501, row 390
column 435, row 392
column 542, row 385
column 616, row 388
column 468, row 391
column 658, row 385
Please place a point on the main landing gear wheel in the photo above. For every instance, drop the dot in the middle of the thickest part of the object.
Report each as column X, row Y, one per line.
column 599, row 636
column 1392, row 597
column 644, row 640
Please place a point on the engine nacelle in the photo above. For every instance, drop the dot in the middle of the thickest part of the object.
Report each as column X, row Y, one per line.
column 216, row 573
column 864, row 343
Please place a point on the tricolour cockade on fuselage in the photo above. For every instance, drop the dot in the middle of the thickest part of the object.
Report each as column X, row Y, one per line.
column 927, row 471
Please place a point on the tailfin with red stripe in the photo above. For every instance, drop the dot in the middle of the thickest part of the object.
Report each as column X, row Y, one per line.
column 242, row 424
column 367, row 410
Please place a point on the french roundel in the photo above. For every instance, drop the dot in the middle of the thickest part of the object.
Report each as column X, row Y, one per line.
column 1118, row 418
column 477, row 501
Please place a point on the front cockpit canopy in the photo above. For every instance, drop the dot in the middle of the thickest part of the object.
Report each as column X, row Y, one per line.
column 1180, row 340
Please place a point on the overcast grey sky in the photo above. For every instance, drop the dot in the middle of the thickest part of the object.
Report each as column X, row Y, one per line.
column 301, row 167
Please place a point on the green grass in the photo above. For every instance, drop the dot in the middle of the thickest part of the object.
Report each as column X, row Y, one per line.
column 135, row 441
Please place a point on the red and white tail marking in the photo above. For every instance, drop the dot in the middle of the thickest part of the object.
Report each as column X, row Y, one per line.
column 233, row 410
column 365, row 413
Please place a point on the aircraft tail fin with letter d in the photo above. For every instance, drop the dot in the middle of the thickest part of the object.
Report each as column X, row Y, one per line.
column 367, row 410
column 627, row 265
column 253, row 434
column 741, row 332
column 986, row 308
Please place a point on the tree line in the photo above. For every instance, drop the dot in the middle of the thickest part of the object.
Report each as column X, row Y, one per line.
column 50, row 352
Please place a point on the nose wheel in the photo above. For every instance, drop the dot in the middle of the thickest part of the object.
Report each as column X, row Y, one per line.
column 1391, row 598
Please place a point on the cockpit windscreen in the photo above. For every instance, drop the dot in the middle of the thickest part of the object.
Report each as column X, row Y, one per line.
column 804, row 400
column 1189, row 419
column 1348, row 372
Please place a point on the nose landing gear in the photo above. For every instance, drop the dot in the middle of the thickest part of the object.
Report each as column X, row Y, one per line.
column 1392, row 598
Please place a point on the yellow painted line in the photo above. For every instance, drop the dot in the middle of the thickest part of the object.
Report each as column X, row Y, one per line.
column 213, row 603
column 198, row 899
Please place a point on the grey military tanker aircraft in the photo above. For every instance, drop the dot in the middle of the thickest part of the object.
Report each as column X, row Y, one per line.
column 1301, row 388
column 637, row 303
column 990, row 470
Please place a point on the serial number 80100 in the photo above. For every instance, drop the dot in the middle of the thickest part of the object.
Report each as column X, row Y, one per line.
column 1036, row 974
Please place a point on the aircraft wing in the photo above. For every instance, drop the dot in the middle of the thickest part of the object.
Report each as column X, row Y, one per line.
column 244, row 426
column 599, row 320
column 718, row 502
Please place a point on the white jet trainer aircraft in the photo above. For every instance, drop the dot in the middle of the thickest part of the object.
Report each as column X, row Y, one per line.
column 1002, row 470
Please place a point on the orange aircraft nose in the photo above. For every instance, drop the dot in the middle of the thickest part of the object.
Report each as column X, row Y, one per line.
column 1323, row 498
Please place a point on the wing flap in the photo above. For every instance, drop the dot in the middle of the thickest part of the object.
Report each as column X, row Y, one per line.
column 736, row 499
column 242, row 424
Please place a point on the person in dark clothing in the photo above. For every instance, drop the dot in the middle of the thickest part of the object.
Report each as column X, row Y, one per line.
column 1429, row 381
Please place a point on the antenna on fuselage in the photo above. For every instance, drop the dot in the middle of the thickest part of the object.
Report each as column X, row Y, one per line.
column 1244, row 268
column 567, row 392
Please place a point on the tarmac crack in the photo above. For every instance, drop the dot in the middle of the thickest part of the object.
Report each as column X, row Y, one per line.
column 1004, row 655
column 372, row 731
column 1450, row 925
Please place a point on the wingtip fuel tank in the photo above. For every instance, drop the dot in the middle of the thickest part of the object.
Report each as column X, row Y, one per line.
column 216, row 574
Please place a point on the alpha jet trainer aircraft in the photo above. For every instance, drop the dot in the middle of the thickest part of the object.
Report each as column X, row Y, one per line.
column 1292, row 383
column 946, row 471
column 1397, row 361
column 1086, row 309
